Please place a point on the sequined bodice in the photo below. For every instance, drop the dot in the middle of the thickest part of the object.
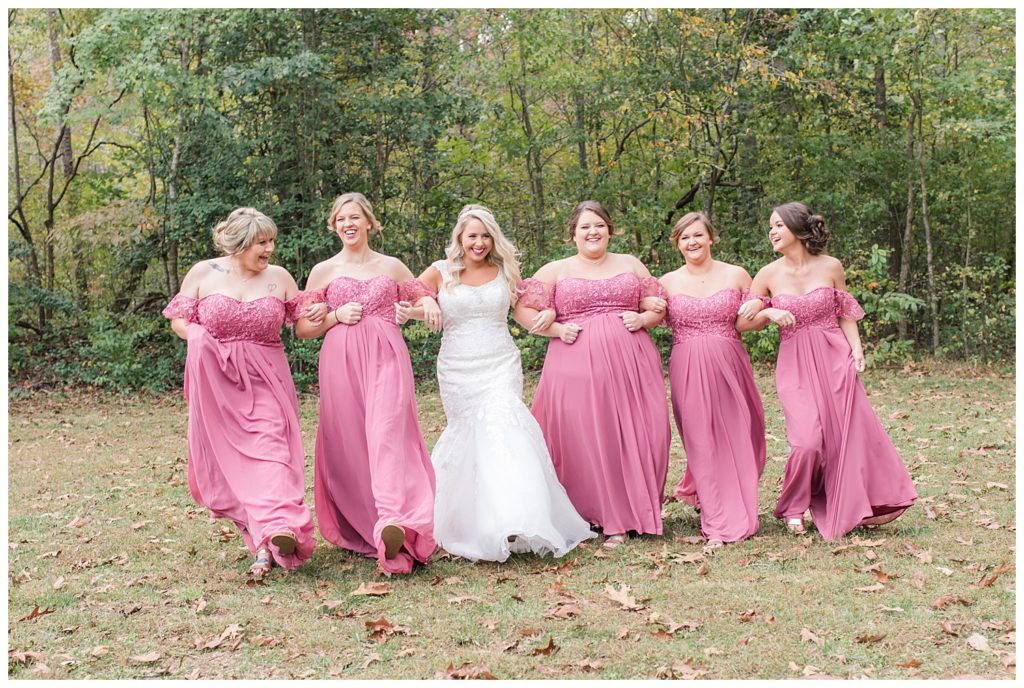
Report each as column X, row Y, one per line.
column 694, row 316
column 820, row 308
column 230, row 320
column 577, row 298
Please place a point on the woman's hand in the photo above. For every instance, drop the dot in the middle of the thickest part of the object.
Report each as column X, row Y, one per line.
column 750, row 308
column 350, row 313
column 780, row 317
column 858, row 359
column 431, row 313
column 632, row 320
column 542, row 321
column 315, row 313
column 403, row 312
column 568, row 332
column 653, row 303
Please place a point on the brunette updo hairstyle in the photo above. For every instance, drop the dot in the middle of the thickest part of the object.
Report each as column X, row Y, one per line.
column 687, row 220
column 594, row 207
column 243, row 228
column 809, row 228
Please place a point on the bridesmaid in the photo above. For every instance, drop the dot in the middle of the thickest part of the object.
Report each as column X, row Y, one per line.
column 714, row 398
column 374, row 484
column 601, row 397
column 842, row 465
column 245, row 456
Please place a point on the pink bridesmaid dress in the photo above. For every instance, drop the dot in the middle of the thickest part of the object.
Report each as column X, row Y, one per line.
column 245, row 456
column 718, row 412
column 372, row 466
column 842, row 465
column 601, row 403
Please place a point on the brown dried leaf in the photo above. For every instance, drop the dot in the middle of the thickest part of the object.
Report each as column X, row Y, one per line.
column 99, row 651
column 987, row 582
column 25, row 658
column 949, row 598
column 549, row 649
column 372, row 589
column 406, row 652
column 748, row 616
column 947, row 628
column 563, row 611
column 703, row 570
column 870, row 637
column 36, row 614
column 871, row 588
column 370, row 659
column 680, row 670
column 466, row 671
column 230, row 633
column 621, row 633
column 76, row 522
column 910, row 664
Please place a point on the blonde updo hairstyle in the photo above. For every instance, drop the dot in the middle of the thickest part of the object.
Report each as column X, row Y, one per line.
column 364, row 205
column 809, row 228
column 243, row 228
column 687, row 220
column 503, row 254
column 594, row 207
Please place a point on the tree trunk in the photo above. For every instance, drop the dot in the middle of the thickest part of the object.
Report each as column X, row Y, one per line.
column 908, row 227
column 880, row 99
column 933, row 298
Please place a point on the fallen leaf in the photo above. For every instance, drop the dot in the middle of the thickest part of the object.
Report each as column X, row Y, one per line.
column 99, row 651
column 511, row 647
column 517, row 598
column 947, row 628
column 59, row 583
column 918, row 580
column 372, row 589
column 466, row 671
column 370, row 659
column 1009, row 659
column 589, row 664
column 748, row 615
column 871, row 588
column 948, row 599
column 680, row 670
column 703, row 570
column 530, row 632
column 623, row 597
column 870, row 637
column 232, row 632
column 25, row 658
column 563, row 611
column 35, row 614
column 406, row 652
column 662, row 634
column 807, row 636
column 147, row 658
column 621, row 633
column 987, row 582
column 977, row 641
column 551, row 648
column 76, row 522
column 910, row 664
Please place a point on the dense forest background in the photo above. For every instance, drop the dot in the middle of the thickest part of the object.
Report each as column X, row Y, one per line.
column 131, row 133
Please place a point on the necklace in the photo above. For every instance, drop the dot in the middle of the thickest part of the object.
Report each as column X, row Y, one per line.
column 592, row 261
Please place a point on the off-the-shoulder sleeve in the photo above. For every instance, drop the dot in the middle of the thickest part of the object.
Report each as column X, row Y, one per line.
column 535, row 294
column 763, row 298
column 182, row 306
column 413, row 290
column 652, row 287
column 847, row 306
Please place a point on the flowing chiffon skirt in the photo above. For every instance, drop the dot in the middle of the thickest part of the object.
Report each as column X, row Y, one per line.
column 601, row 405
column 718, row 412
column 245, row 456
column 372, row 466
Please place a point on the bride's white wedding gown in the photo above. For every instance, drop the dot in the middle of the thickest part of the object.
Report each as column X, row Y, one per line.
column 495, row 481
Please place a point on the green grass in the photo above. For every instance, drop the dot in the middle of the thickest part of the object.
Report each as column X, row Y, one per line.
column 147, row 572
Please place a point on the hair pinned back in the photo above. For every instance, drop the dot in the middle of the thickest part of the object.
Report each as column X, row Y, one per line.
column 243, row 228
column 594, row 207
column 687, row 220
column 809, row 228
column 503, row 253
column 360, row 200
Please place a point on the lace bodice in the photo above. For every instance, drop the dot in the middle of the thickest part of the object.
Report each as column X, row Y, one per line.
column 377, row 295
column 468, row 311
column 694, row 316
column 821, row 307
column 230, row 320
column 576, row 299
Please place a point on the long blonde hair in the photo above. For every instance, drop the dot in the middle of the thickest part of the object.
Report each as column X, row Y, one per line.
column 503, row 254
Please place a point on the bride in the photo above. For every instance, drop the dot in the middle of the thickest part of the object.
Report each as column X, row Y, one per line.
column 497, row 491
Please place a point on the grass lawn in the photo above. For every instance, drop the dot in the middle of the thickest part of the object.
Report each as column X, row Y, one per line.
column 115, row 573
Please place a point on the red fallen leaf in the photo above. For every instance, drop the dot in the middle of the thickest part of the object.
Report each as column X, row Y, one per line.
column 870, row 637
column 623, row 597
column 748, row 616
column 549, row 649
column 987, row 582
column 948, row 599
column 372, row 589
column 147, row 658
column 910, row 664
column 466, row 671
column 947, row 628
column 35, row 614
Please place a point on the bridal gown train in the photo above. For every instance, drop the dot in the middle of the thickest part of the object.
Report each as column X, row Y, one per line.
column 495, row 480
